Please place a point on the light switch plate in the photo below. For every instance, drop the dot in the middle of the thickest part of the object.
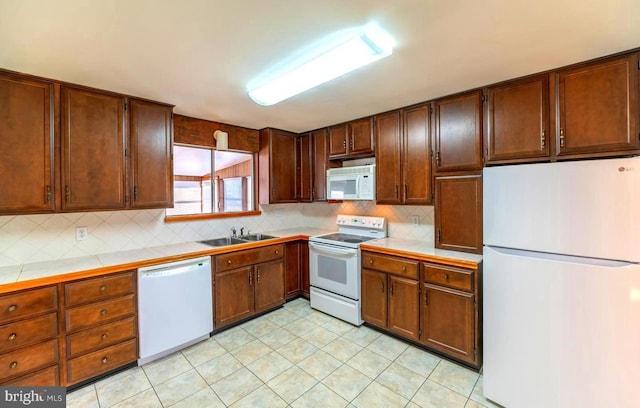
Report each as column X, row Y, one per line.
column 82, row 233
column 415, row 219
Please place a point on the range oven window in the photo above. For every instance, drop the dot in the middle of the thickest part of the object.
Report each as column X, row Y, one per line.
column 333, row 269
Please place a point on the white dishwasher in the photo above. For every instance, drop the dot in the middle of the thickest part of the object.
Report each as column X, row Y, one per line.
column 175, row 307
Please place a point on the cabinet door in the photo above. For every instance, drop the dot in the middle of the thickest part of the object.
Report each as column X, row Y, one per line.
column 404, row 301
column 388, row 131
column 26, row 145
column 448, row 320
column 269, row 285
column 416, row 157
column 458, row 132
column 151, row 147
column 93, row 150
column 459, row 213
column 597, row 107
column 233, row 295
column 374, row 297
column 283, row 172
column 517, row 121
column 337, row 141
column 304, row 269
column 360, row 137
column 305, row 164
column 319, row 165
column 292, row 269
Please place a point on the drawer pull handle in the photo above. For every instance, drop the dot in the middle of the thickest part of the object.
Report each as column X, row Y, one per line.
column 446, row 277
column 12, row 336
column 104, row 336
column 404, row 269
column 276, row 252
column 103, row 288
column 371, row 261
column 228, row 261
column 104, row 360
column 13, row 365
column 382, row 286
column 103, row 312
column 12, row 308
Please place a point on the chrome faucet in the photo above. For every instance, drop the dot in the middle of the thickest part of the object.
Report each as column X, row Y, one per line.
column 234, row 234
column 242, row 231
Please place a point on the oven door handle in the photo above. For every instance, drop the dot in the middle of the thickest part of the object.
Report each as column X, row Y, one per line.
column 333, row 251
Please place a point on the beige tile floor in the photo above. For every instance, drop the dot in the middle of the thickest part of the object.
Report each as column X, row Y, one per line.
column 292, row 357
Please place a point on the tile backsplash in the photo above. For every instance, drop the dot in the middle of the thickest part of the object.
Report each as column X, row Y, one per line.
column 45, row 237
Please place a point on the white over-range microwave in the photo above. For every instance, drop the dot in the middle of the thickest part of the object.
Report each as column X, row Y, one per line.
column 352, row 183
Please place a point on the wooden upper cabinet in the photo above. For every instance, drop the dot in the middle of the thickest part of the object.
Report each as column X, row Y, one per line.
column 416, row 156
column 277, row 162
column 319, row 165
column 353, row 139
column 305, row 167
column 388, row 131
column 338, row 141
column 360, row 137
column 517, row 121
column 458, row 132
column 403, row 157
column 26, row 145
column 93, row 150
column 597, row 107
column 459, row 213
column 151, row 154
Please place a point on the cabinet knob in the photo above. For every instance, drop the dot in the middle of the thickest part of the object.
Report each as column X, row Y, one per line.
column 446, row 277
column 104, row 336
column 104, row 360
column 276, row 252
column 228, row 261
column 13, row 365
column 382, row 287
column 103, row 312
column 12, row 336
column 103, row 288
column 404, row 268
column 370, row 261
column 12, row 308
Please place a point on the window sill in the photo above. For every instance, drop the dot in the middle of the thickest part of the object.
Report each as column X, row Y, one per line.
column 198, row 217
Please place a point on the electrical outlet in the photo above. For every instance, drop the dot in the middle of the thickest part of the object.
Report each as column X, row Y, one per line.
column 82, row 233
column 415, row 219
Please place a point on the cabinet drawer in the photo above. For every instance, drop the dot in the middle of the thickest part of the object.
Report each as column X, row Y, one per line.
column 24, row 332
column 101, row 336
column 248, row 257
column 101, row 361
column 22, row 304
column 18, row 362
column 44, row 378
column 398, row 266
column 96, row 313
column 456, row 278
column 95, row 289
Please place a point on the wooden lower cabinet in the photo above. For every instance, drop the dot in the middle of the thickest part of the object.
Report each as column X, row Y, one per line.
column 297, row 269
column 29, row 346
column 256, row 284
column 101, row 332
column 390, row 301
column 450, row 311
column 434, row 304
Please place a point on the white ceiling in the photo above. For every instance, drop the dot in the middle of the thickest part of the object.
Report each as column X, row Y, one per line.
column 201, row 54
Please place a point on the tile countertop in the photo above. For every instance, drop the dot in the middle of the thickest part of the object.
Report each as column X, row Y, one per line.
column 421, row 250
column 30, row 275
column 24, row 276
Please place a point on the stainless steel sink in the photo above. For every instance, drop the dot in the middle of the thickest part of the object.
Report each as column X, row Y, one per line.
column 224, row 241
column 256, row 237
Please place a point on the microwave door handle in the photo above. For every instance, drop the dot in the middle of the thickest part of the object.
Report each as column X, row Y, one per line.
column 333, row 251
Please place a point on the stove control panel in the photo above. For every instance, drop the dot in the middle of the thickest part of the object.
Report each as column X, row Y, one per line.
column 361, row 221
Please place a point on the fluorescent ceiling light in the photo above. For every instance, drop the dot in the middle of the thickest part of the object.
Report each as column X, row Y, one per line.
column 350, row 54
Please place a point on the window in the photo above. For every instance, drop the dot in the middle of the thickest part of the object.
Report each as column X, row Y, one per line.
column 208, row 181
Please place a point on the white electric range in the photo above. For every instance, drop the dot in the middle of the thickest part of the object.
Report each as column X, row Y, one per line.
column 334, row 265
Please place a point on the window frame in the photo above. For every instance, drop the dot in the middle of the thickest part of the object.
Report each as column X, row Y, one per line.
column 205, row 216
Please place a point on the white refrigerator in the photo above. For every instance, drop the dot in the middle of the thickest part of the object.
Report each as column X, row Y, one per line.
column 561, row 266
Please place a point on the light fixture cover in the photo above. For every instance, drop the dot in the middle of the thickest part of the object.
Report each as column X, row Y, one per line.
column 222, row 140
column 349, row 54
